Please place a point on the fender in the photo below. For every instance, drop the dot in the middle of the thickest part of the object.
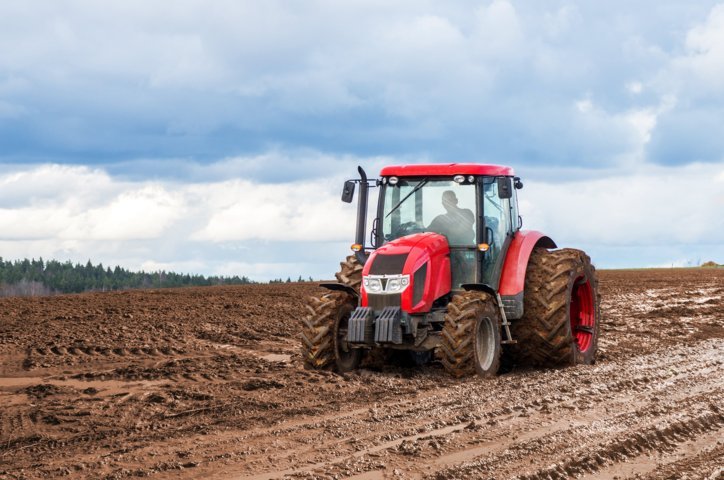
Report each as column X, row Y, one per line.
column 340, row 287
column 512, row 278
column 479, row 287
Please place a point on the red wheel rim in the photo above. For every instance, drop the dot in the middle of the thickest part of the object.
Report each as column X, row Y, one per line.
column 583, row 318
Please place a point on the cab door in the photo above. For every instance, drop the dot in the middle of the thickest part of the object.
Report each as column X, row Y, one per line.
column 497, row 204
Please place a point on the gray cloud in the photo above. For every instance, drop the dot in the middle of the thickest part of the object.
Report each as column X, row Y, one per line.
column 497, row 81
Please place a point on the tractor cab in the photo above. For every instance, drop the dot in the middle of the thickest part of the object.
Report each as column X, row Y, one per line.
column 477, row 215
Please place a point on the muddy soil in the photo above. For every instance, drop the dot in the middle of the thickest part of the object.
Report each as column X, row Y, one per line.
column 207, row 383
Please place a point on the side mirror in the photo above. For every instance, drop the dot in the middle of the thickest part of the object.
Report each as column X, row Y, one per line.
column 505, row 187
column 348, row 191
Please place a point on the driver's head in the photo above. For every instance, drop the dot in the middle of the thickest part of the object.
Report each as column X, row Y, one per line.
column 449, row 200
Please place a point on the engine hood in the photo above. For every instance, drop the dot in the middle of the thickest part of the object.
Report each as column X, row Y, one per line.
column 424, row 258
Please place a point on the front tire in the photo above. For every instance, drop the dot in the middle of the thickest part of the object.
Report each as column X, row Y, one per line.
column 471, row 336
column 561, row 319
column 324, row 333
column 350, row 272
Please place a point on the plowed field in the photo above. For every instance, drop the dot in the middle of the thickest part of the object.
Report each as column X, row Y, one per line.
column 207, row 383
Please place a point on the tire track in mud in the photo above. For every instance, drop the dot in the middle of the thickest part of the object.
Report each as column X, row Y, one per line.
column 449, row 436
column 664, row 436
column 586, row 448
column 228, row 399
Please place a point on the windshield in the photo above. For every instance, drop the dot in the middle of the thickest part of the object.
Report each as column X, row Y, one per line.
column 425, row 205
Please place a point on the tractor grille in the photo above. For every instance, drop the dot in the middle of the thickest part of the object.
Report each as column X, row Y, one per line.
column 378, row 302
column 388, row 264
column 418, row 284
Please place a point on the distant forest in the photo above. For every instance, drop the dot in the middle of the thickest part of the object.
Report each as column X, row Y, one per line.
column 38, row 277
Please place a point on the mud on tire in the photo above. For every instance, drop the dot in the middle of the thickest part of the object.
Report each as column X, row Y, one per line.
column 561, row 316
column 471, row 336
column 350, row 272
column 324, row 329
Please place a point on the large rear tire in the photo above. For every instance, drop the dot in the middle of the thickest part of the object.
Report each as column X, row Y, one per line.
column 350, row 272
column 471, row 336
column 324, row 333
column 561, row 317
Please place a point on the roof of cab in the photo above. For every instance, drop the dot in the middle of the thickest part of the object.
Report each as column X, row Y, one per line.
column 446, row 169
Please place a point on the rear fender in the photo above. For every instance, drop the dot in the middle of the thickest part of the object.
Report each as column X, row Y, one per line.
column 512, row 278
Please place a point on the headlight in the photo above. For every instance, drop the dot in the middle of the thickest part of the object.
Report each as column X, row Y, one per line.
column 383, row 284
column 393, row 285
column 373, row 285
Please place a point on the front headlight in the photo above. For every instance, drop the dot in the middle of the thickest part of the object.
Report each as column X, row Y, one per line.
column 386, row 283
column 373, row 285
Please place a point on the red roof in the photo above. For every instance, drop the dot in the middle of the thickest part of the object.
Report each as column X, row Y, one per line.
column 446, row 169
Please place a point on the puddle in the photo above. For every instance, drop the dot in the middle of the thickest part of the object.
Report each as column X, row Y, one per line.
column 15, row 383
column 18, row 382
column 269, row 357
column 277, row 357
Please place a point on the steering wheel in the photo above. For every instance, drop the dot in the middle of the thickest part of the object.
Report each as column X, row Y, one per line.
column 408, row 228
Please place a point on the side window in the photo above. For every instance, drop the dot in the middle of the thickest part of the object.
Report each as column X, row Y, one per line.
column 514, row 214
column 497, row 215
column 497, row 225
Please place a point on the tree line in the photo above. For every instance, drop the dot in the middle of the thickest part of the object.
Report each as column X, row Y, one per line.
column 39, row 277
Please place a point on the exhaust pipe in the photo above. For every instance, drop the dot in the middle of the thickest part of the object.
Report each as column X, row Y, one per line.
column 361, row 208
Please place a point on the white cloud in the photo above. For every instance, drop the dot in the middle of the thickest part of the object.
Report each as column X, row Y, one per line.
column 585, row 105
column 141, row 213
column 72, row 212
column 634, row 87
column 267, row 230
column 646, row 206
column 300, row 211
column 705, row 51
column 643, row 122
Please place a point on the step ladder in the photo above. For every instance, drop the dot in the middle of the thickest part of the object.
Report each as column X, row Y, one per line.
column 506, row 324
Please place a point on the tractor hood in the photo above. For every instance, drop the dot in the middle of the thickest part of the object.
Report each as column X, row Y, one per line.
column 410, row 272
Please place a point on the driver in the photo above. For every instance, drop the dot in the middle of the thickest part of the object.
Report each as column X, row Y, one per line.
column 456, row 224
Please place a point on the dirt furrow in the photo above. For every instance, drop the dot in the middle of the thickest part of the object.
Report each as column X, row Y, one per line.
column 206, row 382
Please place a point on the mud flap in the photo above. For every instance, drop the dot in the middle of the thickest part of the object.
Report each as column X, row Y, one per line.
column 361, row 326
column 388, row 328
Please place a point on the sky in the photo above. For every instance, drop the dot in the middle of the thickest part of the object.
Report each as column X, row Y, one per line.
column 213, row 136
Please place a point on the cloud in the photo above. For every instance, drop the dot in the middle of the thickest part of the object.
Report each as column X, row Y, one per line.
column 303, row 212
column 647, row 207
column 112, row 84
column 643, row 215
column 184, row 137
column 704, row 59
column 77, row 213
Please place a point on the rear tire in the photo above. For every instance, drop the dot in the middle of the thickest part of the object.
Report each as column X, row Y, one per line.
column 471, row 336
column 561, row 318
column 324, row 333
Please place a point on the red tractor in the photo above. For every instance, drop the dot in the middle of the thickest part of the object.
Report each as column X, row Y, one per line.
column 448, row 270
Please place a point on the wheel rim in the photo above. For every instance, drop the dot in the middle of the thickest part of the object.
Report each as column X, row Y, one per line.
column 582, row 314
column 342, row 345
column 347, row 357
column 485, row 343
